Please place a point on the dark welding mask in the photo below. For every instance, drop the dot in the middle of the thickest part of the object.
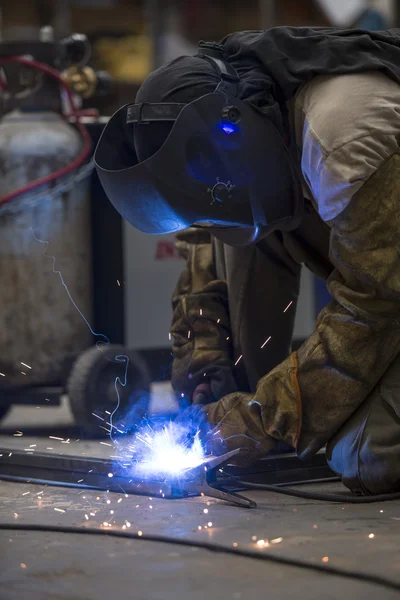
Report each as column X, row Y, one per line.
column 223, row 166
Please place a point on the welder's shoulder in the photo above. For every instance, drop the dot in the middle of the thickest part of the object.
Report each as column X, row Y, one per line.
column 346, row 126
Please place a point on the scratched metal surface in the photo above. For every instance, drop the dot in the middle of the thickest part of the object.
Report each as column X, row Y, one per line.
column 76, row 567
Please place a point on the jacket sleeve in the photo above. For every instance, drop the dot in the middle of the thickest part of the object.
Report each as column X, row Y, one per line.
column 307, row 398
column 200, row 329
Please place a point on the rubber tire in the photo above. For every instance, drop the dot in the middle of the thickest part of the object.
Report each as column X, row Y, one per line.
column 90, row 386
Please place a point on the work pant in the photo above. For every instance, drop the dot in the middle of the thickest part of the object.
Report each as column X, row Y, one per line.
column 365, row 452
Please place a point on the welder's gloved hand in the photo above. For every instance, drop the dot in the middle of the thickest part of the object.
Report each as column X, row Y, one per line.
column 202, row 395
column 200, row 329
column 236, row 422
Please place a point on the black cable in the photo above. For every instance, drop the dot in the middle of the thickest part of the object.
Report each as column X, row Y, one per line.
column 248, row 485
column 257, row 555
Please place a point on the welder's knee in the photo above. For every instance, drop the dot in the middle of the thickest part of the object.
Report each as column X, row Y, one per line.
column 365, row 452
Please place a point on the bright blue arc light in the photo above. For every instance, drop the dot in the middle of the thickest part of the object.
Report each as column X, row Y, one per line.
column 228, row 128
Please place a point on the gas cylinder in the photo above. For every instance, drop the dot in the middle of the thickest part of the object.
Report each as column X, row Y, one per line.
column 45, row 251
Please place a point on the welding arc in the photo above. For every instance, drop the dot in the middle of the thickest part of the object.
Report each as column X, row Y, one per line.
column 219, row 548
column 316, row 496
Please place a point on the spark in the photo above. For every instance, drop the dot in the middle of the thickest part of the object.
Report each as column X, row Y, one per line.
column 52, row 437
column 266, row 341
column 18, row 433
column 371, row 535
column 105, row 444
column 22, row 373
column 108, row 501
column 262, row 543
column 127, row 523
column 150, row 506
column 325, row 559
column 189, row 335
column 11, row 455
column 2, row 374
column 101, row 418
column 209, row 524
column 26, row 493
column 205, row 511
column 111, row 512
column 315, row 526
column 235, row 544
column 201, row 311
column 277, row 540
column 23, row 566
column 237, row 362
column 288, row 306
column 25, row 365
column 92, row 514
column 169, row 337
column 79, row 480
column 32, row 445
column 110, row 475
column 218, row 320
column 49, row 448
column 381, row 511
column 140, row 533
column 119, row 500
column 199, row 527
column 86, row 517
column 118, row 283
column 167, row 451
column 61, row 510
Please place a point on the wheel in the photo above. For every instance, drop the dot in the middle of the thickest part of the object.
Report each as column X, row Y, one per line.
column 91, row 388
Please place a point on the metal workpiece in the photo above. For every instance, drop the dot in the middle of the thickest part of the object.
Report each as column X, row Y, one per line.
column 118, row 476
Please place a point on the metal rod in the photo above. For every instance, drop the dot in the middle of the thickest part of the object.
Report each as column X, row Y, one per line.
column 154, row 18
column 268, row 13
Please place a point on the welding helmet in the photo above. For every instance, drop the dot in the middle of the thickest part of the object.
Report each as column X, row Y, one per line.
column 223, row 166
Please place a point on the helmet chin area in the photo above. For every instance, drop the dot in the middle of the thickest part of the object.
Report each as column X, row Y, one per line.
column 239, row 236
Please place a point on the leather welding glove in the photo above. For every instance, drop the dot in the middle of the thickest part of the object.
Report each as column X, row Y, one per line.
column 236, row 422
column 200, row 327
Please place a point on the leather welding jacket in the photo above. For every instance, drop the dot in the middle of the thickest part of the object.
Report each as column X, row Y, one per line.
column 230, row 301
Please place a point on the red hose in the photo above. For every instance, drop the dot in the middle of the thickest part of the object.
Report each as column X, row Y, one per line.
column 86, row 146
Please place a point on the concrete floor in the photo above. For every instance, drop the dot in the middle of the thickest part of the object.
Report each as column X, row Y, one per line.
column 53, row 566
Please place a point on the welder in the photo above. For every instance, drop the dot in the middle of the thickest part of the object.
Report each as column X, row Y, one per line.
column 268, row 151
